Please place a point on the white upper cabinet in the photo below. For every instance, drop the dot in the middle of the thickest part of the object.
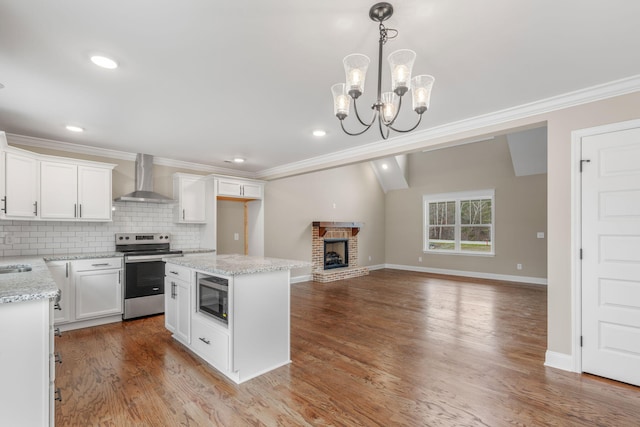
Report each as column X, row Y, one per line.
column 190, row 192
column 58, row 190
column 20, row 199
column 45, row 187
column 239, row 189
column 94, row 193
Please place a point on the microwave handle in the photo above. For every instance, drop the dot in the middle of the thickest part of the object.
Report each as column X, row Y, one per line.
column 212, row 285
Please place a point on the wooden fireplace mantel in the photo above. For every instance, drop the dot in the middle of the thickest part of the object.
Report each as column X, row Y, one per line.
column 324, row 225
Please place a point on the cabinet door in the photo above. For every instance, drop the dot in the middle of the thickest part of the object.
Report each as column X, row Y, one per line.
column 253, row 191
column 21, row 183
column 94, row 193
column 170, row 304
column 183, row 318
column 192, row 199
column 60, row 272
column 58, row 190
column 229, row 188
column 98, row 293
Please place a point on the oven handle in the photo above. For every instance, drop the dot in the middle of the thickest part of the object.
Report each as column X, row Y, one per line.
column 142, row 258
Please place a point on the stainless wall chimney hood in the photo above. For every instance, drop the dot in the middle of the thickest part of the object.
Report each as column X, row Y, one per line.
column 144, row 183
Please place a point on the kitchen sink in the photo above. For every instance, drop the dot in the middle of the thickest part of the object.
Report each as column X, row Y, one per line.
column 20, row 268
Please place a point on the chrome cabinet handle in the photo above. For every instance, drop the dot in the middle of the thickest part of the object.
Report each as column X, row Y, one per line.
column 57, row 306
column 183, row 214
column 58, row 358
column 66, row 273
column 58, row 395
column 204, row 340
column 100, row 265
column 57, row 332
column 174, row 272
column 75, row 210
column 4, row 200
column 35, row 208
column 80, row 210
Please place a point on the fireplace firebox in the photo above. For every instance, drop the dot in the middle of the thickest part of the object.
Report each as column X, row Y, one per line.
column 336, row 253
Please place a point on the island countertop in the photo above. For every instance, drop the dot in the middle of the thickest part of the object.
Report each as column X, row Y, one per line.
column 27, row 286
column 233, row 264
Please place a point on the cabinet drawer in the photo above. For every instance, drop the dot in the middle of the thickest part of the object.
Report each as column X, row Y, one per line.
column 97, row 264
column 177, row 272
column 210, row 343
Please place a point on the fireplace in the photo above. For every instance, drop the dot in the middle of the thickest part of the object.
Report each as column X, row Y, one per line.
column 336, row 253
column 334, row 247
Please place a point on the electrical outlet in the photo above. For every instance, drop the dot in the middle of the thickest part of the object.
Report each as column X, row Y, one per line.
column 540, row 235
column 419, row 259
column 519, row 266
column 236, row 236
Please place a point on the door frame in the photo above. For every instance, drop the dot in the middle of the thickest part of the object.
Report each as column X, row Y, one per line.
column 576, row 230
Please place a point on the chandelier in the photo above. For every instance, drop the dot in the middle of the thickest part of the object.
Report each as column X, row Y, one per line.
column 388, row 104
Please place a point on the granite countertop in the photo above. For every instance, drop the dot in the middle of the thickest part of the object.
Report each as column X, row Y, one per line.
column 37, row 283
column 73, row 257
column 233, row 265
column 29, row 285
column 189, row 251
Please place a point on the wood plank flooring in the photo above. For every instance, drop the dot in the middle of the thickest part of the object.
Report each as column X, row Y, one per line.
column 391, row 348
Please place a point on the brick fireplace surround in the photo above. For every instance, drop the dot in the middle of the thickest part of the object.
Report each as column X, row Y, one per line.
column 321, row 230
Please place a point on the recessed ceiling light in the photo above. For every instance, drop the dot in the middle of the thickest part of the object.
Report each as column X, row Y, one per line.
column 385, row 166
column 319, row 132
column 74, row 128
column 238, row 160
column 104, row 62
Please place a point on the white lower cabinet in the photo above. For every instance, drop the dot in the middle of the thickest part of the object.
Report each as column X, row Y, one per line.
column 61, row 272
column 210, row 341
column 92, row 291
column 177, row 309
column 27, row 370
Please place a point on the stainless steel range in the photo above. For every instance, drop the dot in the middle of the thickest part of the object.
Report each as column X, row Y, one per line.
column 144, row 271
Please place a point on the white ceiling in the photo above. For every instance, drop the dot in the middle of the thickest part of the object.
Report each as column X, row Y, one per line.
column 202, row 81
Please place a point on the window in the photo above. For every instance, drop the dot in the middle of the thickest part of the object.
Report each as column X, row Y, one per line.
column 459, row 223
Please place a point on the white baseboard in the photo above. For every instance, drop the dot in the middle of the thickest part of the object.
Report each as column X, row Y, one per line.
column 475, row 274
column 556, row 360
column 300, row 279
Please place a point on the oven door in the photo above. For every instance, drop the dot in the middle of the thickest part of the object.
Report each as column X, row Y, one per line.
column 144, row 277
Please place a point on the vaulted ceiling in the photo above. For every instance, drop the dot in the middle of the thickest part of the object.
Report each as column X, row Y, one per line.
column 204, row 81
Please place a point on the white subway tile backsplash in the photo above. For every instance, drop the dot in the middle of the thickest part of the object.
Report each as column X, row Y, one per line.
column 61, row 238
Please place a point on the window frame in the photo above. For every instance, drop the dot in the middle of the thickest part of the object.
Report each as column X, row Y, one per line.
column 457, row 198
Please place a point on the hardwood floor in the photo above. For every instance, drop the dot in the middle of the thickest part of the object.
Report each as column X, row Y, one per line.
column 391, row 348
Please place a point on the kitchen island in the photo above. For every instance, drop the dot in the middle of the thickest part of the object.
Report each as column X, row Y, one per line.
column 27, row 362
column 240, row 324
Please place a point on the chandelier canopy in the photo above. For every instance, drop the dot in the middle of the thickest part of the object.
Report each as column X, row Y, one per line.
column 388, row 104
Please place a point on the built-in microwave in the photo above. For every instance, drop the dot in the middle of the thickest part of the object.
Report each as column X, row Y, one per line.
column 213, row 297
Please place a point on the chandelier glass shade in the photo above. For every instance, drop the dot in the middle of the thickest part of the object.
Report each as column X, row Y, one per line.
column 388, row 104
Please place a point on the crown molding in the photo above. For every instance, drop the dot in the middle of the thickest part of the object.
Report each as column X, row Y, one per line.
column 120, row 155
column 428, row 137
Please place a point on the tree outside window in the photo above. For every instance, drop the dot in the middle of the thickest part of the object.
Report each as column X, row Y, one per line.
column 459, row 222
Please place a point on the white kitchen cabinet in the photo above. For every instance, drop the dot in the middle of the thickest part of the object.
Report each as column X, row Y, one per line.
column 60, row 271
column 58, row 190
column 189, row 191
column 94, row 193
column 178, row 308
column 41, row 187
column 98, row 288
column 71, row 191
column 20, row 200
column 26, row 364
column 211, row 342
column 239, row 188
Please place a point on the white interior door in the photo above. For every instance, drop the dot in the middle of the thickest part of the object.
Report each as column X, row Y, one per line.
column 611, row 255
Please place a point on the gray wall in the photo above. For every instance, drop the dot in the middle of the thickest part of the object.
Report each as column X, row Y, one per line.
column 230, row 220
column 292, row 204
column 520, row 210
